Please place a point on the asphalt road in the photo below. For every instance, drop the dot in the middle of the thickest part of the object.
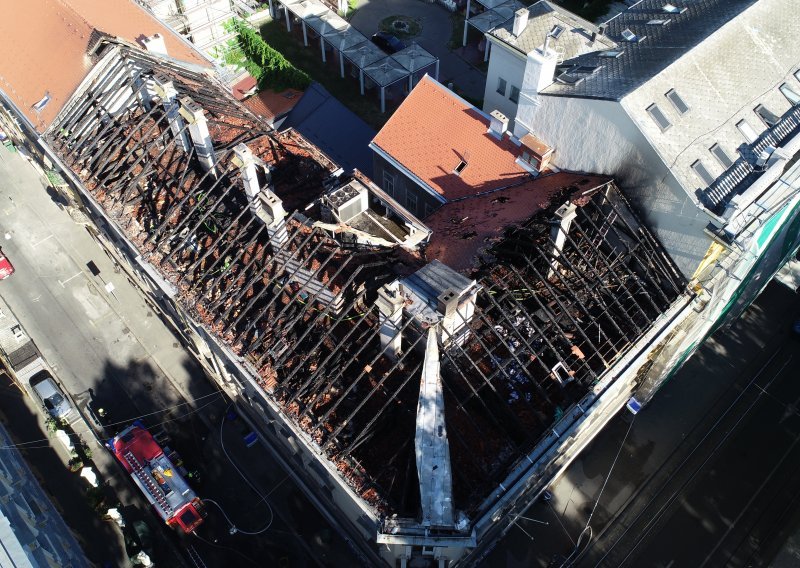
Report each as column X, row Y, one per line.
column 707, row 475
column 110, row 349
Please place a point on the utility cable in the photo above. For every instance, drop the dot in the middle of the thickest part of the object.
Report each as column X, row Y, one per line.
column 45, row 442
column 246, row 479
column 587, row 529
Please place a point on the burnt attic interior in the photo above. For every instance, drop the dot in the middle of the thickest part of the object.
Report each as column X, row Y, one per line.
column 262, row 240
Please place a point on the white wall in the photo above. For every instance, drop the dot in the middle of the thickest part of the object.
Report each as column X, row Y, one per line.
column 510, row 65
column 599, row 137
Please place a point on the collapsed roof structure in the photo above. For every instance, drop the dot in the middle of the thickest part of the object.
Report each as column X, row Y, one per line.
column 417, row 394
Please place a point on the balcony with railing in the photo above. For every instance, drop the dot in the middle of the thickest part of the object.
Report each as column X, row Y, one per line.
column 749, row 166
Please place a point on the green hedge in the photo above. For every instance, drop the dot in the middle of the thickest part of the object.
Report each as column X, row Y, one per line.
column 268, row 66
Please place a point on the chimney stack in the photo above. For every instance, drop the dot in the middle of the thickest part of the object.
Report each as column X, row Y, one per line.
column 520, row 21
column 558, row 234
column 155, row 44
column 390, row 306
column 498, row 124
column 198, row 128
column 163, row 87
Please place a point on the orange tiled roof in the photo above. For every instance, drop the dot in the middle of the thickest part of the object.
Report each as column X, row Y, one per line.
column 243, row 87
column 271, row 105
column 433, row 130
column 43, row 45
column 461, row 230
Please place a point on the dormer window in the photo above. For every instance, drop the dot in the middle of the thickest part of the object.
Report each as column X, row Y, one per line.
column 628, row 35
column 672, row 9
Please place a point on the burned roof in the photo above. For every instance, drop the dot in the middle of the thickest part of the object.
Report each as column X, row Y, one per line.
column 435, row 130
column 464, row 230
column 298, row 306
column 45, row 46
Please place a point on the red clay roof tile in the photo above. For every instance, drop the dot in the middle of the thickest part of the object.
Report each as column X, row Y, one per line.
column 434, row 129
column 271, row 105
column 462, row 229
column 44, row 45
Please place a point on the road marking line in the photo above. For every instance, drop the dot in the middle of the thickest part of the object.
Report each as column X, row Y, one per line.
column 68, row 279
column 43, row 240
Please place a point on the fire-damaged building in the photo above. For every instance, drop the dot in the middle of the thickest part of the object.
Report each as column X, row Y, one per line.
column 423, row 379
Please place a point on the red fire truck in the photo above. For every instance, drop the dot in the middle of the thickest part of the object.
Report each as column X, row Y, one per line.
column 158, row 477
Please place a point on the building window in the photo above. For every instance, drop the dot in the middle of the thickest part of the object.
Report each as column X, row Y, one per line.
column 514, row 96
column 703, row 173
column 428, row 210
column 658, row 117
column 388, row 183
column 767, row 116
column 501, row 86
column 677, row 101
column 411, row 201
column 721, row 156
column 747, row 131
column 790, row 94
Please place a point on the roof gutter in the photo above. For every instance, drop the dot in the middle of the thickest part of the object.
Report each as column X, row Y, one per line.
column 415, row 178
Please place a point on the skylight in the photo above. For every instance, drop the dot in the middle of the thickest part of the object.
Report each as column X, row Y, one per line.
column 658, row 22
column 460, row 167
column 672, row 9
column 556, row 32
column 628, row 35
column 658, row 117
column 702, row 172
column 611, row 53
column 677, row 101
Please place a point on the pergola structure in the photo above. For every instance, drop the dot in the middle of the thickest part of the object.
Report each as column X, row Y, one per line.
column 372, row 63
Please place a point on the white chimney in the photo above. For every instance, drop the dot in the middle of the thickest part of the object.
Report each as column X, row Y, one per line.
column 198, row 128
column 540, row 69
column 390, row 306
column 520, row 21
column 155, row 44
column 163, row 87
column 498, row 124
column 558, row 234
column 247, row 165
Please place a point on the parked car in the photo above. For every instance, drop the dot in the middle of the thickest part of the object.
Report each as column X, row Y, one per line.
column 52, row 397
column 6, row 269
column 387, row 42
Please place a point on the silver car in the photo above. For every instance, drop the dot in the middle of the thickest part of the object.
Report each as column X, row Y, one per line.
column 54, row 400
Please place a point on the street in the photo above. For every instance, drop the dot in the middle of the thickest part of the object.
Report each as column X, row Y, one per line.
column 706, row 475
column 111, row 350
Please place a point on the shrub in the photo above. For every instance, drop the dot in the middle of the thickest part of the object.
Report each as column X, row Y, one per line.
column 270, row 68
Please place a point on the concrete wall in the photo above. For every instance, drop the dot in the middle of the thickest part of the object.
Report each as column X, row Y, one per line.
column 576, row 128
column 403, row 187
column 509, row 65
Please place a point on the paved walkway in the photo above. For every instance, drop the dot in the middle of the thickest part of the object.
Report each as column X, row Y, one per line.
column 436, row 31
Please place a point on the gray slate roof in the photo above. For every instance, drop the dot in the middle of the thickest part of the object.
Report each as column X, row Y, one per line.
column 542, row 16
column 661, row 46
